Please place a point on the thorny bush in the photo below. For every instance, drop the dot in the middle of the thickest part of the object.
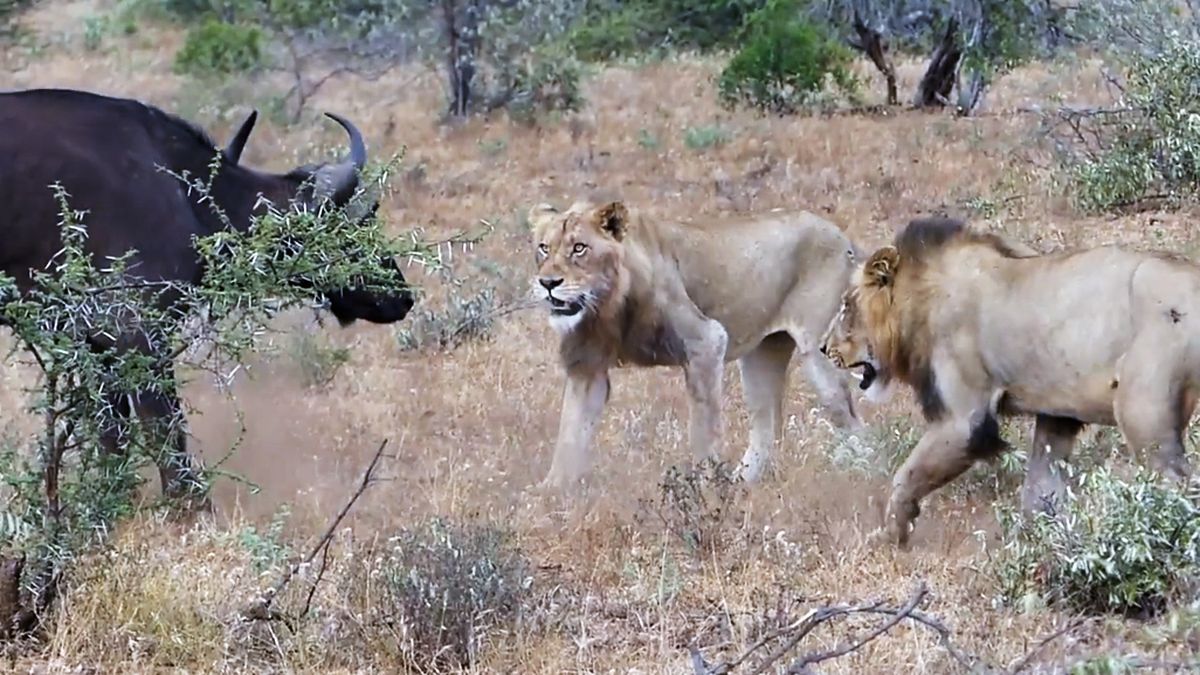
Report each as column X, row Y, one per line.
column 60, row 493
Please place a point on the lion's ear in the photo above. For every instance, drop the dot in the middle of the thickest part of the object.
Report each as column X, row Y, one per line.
column 613, row 218
column 880, row 269
column 537, row 211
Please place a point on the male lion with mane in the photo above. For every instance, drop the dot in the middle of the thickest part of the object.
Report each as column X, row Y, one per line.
column 979, row 326
column 623, row 290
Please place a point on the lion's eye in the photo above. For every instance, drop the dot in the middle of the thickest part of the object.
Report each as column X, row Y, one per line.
column 579, row 249
column 543, row 249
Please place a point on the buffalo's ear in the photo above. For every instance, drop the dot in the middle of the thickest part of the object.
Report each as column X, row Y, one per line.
column 880, row 269
column 613, row 218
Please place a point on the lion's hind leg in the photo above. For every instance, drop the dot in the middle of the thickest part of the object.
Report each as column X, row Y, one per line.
column 1150, row 411
column 764, row 378
column 1053, row 440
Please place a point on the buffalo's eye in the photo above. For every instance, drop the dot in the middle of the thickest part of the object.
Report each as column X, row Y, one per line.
column 579, row 249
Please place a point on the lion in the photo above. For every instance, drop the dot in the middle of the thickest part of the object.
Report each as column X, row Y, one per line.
column 622, row 290
column 980, row 327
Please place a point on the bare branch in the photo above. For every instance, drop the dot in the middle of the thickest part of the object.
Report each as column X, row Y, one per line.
column 797, row 630
column 261, row 609
column 1023, row 662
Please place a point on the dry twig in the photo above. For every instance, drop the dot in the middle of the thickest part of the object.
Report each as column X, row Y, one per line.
column 261, row 609
column 796, row 631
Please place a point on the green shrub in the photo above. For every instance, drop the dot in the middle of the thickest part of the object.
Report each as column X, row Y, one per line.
column 544, row 83
column 619, row 29
column 444, row 588
column 703, row 138
column 1149, row 145
column 186, row 9
column 219, row 48
column 1119, row 546
column 784, row 60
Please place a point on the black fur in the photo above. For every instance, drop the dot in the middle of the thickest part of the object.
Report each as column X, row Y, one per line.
column 932, row 405
column 985, row 438
column 923, row 236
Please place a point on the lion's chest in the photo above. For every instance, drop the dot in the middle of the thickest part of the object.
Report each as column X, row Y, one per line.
column 651, row 344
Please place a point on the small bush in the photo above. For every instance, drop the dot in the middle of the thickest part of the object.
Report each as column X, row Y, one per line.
column 318, row 362
column 446, row 588
column 219, row 48
column 1117, row 546
column 703, row 138
column 545, row 83
column 613, row 29
column 462, row 320
column 1148, row 146
column 698, row 505
column 784, row 62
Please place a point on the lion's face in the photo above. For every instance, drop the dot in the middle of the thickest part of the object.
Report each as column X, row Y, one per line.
column 865, row 317
column 846, row 343
column 580, row 260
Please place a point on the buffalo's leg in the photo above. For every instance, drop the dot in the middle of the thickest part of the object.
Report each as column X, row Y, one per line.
column 1053, row 439
column 179, row 471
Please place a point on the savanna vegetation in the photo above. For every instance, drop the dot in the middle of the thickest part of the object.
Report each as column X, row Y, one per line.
column 374, row 487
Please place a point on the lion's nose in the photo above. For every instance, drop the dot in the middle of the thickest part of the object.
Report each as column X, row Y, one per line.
column 550, row 283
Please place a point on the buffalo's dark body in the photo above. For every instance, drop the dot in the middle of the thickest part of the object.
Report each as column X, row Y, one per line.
column 109, row 154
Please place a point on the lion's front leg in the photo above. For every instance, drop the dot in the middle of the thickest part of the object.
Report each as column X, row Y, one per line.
column 704, row 373
column 583, row 403
column 942, row 454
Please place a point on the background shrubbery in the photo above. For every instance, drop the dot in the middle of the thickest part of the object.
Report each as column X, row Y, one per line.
column 1128, row 546
column 784, row 60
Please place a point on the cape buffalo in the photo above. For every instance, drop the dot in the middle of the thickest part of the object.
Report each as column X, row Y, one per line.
column 108, row 154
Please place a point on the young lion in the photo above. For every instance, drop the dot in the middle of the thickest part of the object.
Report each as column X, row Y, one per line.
column 979, row 326
column 627, row 291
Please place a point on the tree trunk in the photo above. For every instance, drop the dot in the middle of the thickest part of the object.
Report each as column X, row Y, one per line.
column 462, row 47
column 971, row 95
column 871, row 42
column 938, row 81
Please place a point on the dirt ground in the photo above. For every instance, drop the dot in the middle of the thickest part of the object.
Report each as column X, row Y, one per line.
column 472, row 429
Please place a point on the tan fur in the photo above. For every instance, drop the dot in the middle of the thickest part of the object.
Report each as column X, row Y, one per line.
column 979, row 328
column 694, row 296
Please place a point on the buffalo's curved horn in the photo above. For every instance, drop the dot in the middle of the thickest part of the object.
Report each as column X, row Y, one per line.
column 233, row 151
column 337, row 181
column 358, row 148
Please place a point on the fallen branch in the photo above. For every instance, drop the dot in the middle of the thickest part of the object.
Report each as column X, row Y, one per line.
column 796, row 631
column 1025, row 661
column 260, row 609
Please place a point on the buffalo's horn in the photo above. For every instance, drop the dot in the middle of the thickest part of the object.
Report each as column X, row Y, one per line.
column 358, row 148
column 233, row 151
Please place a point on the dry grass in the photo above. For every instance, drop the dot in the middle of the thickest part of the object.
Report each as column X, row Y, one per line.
column 473, row 428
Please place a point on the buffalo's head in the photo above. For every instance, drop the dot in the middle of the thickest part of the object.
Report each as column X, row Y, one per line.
column 334, row 184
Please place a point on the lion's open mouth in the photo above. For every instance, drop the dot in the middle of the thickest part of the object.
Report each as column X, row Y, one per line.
column 564, row 308
column 868, row 374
